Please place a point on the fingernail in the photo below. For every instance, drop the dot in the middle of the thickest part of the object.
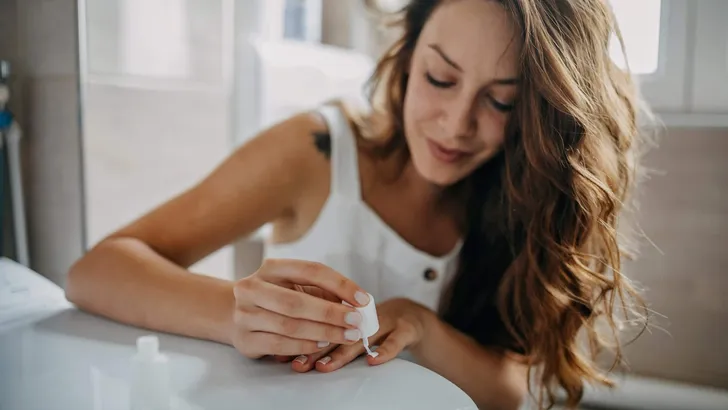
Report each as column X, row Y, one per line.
column 352, row 334
column 353, row 318
column 325, row 360
column 301, row 359
column 321, row 345
column 362, row 298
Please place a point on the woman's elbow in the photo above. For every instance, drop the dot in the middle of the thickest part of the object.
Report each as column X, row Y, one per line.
column 81, row 277
column 76, row 281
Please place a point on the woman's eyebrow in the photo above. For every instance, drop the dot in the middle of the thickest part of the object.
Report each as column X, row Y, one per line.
column 506, row 81
column 441, row 53
column 444, row 56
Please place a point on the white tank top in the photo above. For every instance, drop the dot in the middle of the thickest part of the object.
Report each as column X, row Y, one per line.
column 350, row 237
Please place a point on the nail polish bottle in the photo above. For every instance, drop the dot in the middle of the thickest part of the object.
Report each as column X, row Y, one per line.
column 150, row 389
column 369, row 324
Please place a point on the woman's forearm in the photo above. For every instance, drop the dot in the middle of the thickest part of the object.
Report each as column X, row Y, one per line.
column 492, row 380
column 125, row 280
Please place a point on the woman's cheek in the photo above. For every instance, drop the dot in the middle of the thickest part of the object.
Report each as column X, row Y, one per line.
column 424, row 101
column 492, row 129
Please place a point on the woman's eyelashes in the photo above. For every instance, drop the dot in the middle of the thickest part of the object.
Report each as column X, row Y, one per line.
column 502, row 107
column 437, row 83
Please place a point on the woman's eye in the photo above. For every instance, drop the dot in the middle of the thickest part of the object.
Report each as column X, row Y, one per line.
column 500, row 106
column 437, row 83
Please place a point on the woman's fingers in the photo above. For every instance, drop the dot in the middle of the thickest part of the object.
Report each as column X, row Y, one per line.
column 259, row 344
column 402, row 336
column 325, row 334
column 314, row 274
column 318, row 292
column 293, row 304
column 305, row 363
column 339, row 357
column 292, row 307
column 283, row 359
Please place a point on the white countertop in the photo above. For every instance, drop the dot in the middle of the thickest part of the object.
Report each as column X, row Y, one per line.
column 62, row 358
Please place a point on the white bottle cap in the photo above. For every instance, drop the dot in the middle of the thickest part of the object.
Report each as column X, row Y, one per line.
column 369, row 322
column 148, row 346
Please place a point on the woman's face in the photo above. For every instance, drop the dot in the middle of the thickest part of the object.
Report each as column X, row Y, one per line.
column 463, row 80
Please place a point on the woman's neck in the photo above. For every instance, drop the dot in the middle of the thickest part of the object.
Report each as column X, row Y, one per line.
column 403, row 176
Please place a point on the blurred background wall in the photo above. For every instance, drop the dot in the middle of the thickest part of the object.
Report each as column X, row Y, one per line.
column 125, row 103
column 39, row 39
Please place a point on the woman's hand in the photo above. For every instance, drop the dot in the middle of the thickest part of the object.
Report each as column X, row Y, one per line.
column 291, row 307
column 402, row 324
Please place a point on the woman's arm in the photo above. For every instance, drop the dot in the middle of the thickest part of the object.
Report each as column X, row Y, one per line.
column 139, row 274
column 124, row 279
column 492, row 380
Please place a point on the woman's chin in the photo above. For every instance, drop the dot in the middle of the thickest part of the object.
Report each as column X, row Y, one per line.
column 438, row 177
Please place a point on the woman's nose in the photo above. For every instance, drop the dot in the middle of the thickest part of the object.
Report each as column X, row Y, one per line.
column 459, row 119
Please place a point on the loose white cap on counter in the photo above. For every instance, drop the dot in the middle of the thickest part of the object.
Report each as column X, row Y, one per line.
column 148, row 346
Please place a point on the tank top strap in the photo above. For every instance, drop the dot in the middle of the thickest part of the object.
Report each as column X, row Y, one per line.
column 344, row 154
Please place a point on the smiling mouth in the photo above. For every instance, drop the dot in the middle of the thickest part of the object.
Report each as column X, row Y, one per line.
column 446, row 155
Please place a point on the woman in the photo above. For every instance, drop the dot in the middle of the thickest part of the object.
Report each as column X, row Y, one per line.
column 477, row 202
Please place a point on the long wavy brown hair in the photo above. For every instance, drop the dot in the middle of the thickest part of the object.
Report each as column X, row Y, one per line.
column 541, row 262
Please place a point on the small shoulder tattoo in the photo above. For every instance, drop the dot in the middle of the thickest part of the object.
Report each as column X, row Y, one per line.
column 322, row 141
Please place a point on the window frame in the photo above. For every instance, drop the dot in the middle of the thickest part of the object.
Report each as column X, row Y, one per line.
column 670, row 91
column 665, row 88
column 219, row 84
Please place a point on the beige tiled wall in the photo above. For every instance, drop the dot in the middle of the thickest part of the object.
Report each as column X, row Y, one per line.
column 685, row 213
column 40, row 41
column 53, row 174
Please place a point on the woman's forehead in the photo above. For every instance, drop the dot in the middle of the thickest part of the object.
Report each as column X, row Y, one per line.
column 479, row 35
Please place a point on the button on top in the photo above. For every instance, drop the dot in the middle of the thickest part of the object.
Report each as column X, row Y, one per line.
column 430, row 274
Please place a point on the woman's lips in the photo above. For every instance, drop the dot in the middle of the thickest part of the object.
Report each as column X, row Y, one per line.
column 443, row 154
